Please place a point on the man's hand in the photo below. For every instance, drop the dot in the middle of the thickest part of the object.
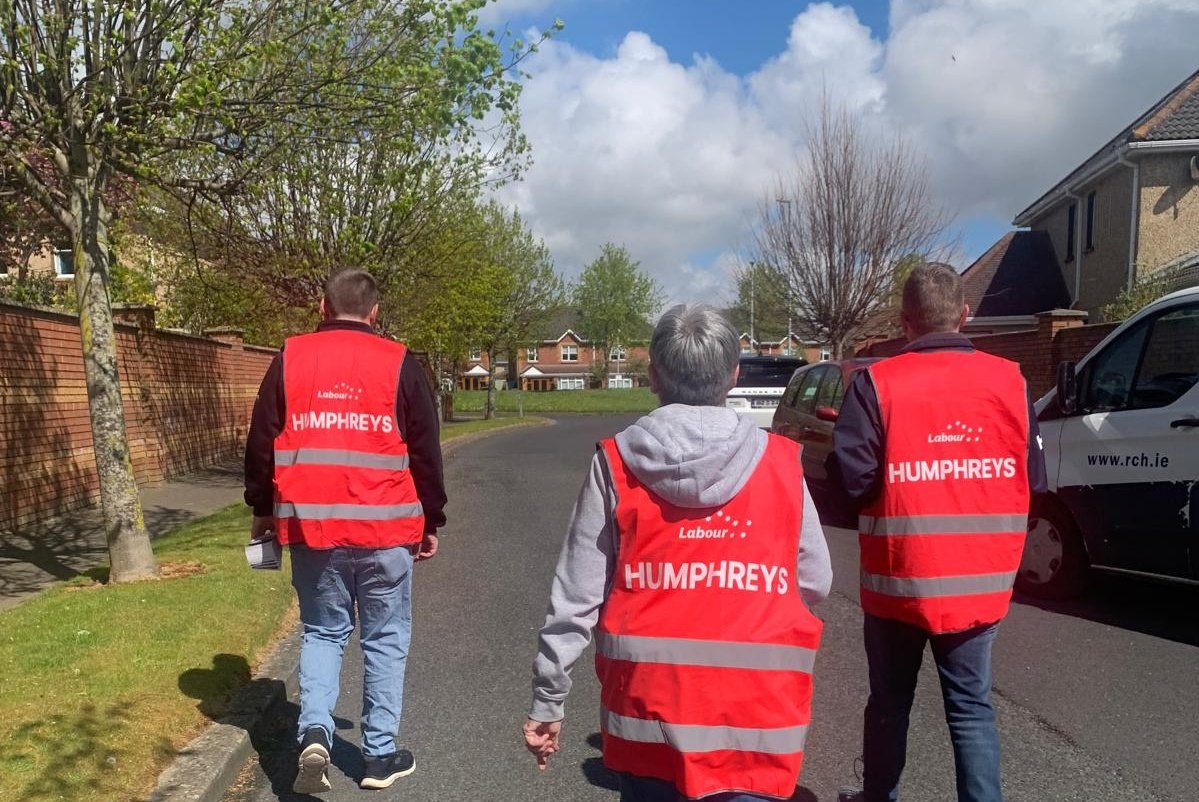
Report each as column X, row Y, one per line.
column 263, row 525
column 541, row 738
column 427, row 548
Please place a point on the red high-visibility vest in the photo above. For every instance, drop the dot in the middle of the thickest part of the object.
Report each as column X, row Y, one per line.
column 704, row 648
column 341, row 466
column 942, row 542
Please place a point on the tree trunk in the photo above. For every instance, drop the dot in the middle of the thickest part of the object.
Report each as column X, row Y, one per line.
column 489, row 407
column 129, row 552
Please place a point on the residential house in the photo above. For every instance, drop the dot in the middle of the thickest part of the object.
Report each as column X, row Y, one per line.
column 568, row 361
column 789, row 345
column 1128, row 212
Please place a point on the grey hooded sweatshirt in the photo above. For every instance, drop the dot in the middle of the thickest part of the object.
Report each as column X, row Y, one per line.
column 690, row 456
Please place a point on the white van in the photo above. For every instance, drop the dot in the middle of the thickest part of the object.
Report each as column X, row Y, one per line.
column 1121, row 435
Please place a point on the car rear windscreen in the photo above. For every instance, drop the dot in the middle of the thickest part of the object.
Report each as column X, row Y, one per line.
column 766, row 374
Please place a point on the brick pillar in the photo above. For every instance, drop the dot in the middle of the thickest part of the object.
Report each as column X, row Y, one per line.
column 140, row 315
column 234, row 400
column 140, row 421
column 1048, row 325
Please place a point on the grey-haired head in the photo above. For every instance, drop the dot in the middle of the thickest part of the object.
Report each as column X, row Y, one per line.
column 693, row 356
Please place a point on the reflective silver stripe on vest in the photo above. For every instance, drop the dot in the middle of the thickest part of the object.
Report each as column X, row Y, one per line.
column 706, row 738
column 339, row 456
column 712, row 653
column 347, row 512
column 931, row 587
column 942, row 524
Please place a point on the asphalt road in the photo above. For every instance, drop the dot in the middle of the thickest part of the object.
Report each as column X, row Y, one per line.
column 1097, row 700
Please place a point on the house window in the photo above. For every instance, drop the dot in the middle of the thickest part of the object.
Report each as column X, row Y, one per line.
column 64, row 263
column 826, row 354
column 476, row 354
column 617, row 381
column 617, row 354
column 570, row 383
column 570, row 353
column 1071, row 221
column 531, row 354
column 1090, row 240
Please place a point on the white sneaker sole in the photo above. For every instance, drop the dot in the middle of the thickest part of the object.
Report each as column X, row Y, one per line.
column 313, row 777
column 379, row 783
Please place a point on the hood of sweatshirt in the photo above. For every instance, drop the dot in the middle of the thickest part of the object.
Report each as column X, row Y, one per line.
column 692, row 456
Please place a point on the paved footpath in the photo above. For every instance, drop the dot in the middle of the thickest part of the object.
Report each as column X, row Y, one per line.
column 37, row 555
column 1098, row 700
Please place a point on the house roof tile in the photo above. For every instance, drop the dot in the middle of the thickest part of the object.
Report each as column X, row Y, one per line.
column 1175, row 116
column 1018, row 275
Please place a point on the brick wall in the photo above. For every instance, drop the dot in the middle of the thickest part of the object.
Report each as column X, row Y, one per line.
column 187, row 403
column 1060, row 335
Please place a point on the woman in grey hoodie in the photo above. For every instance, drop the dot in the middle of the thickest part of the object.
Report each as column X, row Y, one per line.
column 694, row 455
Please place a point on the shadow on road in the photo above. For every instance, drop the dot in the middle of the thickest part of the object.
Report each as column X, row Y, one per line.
column 601, row 776
column 1151, row 608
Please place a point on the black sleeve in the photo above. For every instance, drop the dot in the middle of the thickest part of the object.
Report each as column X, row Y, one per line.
column 266, row 423
column 858, row 441
column 416, row 414
column 1038, row 481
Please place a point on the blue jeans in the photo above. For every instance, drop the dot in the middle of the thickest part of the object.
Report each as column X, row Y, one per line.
column 329, row 584
column 643, row 789
column 894, row 651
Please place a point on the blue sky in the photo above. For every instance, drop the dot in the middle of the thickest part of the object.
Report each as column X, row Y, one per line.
column 661, row 124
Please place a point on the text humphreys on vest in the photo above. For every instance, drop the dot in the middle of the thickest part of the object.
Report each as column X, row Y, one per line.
column 940, row 470
column 723, row 574
column 356, row 421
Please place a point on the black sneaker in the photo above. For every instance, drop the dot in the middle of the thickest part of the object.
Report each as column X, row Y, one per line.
column 313, row 776
column 381, row 772
column 851, row 795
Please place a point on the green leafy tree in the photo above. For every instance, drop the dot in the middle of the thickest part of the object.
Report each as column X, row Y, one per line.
column 615, row 300
column 1145, row 290
column 103, row 99
column 762, row 306
column 529, row 287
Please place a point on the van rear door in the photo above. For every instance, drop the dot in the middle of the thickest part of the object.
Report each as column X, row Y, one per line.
column 1129, row 458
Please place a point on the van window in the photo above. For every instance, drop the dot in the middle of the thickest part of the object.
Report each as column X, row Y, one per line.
column 1109, row 376
column 1170, row 365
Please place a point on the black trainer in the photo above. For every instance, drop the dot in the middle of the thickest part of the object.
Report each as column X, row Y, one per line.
column 313, row 776
column 381, row 772
column 851, row 795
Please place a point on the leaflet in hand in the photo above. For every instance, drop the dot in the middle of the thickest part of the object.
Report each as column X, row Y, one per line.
column 265, row 553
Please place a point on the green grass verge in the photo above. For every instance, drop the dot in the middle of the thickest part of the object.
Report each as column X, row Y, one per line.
column 103, row 683
column 592, row 402
column 458, row 428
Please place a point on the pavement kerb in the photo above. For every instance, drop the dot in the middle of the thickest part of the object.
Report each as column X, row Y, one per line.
column 204, row 770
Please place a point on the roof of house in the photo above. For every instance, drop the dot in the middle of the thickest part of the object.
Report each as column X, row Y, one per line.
column 1175, row 116
column 566, row 318
column 537, row 371
column 1018, row 275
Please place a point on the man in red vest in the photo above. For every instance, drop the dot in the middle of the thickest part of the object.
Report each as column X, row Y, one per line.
column 939, row 447
column 343, row 463
column 694, row 554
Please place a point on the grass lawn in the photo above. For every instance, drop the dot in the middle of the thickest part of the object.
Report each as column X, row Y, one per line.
column 100, row 685
column 458, row 428
column 585, row 401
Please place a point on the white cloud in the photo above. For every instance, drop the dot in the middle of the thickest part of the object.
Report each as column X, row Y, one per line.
column 635, row 149
column 1003, row 96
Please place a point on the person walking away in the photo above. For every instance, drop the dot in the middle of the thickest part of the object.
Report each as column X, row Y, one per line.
column 694, row 553
column 940, row 448
column 343, row 463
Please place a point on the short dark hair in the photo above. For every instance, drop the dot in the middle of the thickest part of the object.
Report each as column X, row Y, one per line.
column 351, row 291
column 933, row 298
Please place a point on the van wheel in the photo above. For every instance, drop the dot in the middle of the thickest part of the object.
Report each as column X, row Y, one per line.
column 1054, row 562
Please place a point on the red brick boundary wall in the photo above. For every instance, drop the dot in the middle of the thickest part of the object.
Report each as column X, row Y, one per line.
column 187, row 404
column 1060, row 335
